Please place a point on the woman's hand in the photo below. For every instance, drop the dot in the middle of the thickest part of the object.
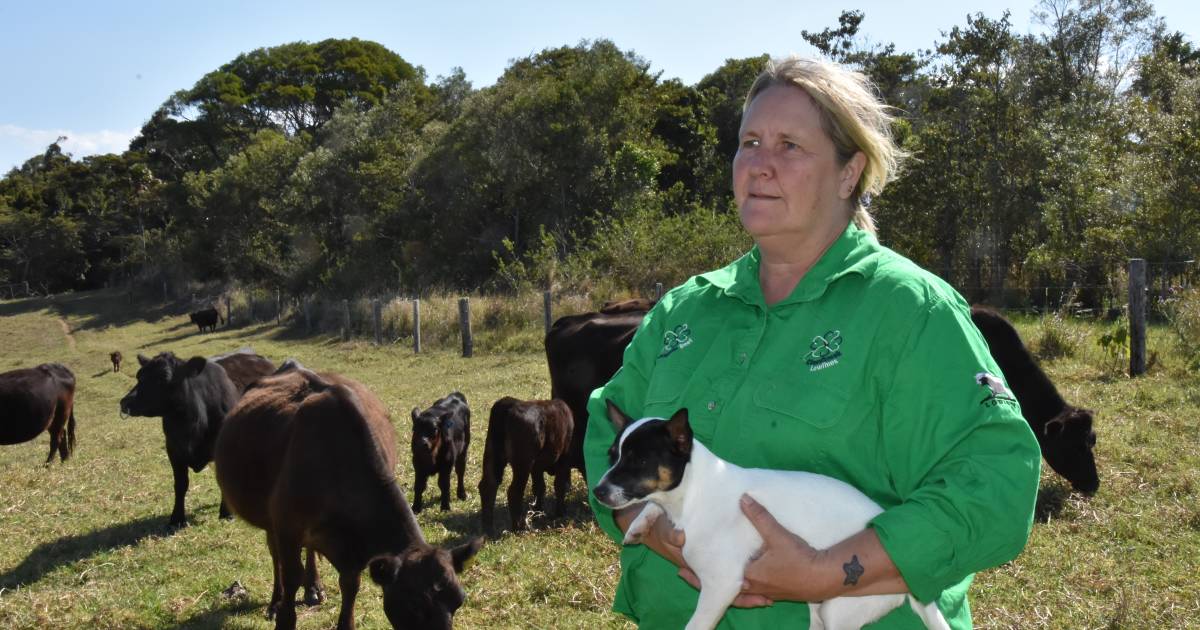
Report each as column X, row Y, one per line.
column 660, row 536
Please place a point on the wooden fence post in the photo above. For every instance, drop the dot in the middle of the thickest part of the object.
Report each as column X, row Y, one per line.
column 546, row 310
column 307, row 305
column 464, row 324
column 417, row 325
column 377, row 313
column 345, row 320
column 228, row 313
column 165, row 298
column 1137, row 316
column 658, row 291
column 278, row 307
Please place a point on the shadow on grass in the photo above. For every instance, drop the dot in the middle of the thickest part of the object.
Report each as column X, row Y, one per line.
column 465, row 524
column 1051, row 500
column 68, row 549
column 216, row 618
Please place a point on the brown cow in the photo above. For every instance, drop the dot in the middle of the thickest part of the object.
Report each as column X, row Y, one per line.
column 115, row 357
column 583, row 352
column 311, row 459
column 206, row 318
column 243, row 367
column 631, row 305
column 533, row 437
column 39, row 399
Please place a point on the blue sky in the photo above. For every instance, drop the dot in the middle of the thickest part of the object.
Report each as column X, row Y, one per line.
column 94, row 71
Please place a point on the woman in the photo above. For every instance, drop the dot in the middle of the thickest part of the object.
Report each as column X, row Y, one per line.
column 821, row 350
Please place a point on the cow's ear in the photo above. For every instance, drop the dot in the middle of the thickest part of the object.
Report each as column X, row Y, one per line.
column 416, row 413
column 385, row 569
column 680, row 431
column 462, row 554
column 1053, row 427
column 142, row 359
column 617, row 417
column 195, row 365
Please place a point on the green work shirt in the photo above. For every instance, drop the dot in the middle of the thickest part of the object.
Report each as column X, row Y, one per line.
column 871, row 372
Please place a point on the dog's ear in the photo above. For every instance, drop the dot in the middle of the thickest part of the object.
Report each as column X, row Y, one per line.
column 680, row 431
column 617, row 417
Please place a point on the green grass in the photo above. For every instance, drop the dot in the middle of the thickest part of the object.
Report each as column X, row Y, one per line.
column 82, row 544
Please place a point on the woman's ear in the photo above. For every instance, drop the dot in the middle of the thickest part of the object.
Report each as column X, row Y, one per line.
column 851, row 173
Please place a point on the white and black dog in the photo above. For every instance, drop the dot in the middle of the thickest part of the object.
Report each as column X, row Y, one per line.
column 656, row 460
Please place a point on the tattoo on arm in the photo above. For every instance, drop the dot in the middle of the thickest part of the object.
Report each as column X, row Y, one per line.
column 853, row 570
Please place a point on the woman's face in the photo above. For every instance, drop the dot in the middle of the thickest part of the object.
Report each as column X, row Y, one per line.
column 786, row 177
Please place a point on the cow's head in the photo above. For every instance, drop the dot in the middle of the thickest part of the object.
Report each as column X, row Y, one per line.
column 427, row 433
column 420, row 586
column 158, row 382
column 1067, row 441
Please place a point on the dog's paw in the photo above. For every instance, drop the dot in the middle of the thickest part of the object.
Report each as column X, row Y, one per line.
column 640, row 525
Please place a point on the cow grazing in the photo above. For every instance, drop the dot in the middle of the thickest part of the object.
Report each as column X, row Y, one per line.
column 440, row 436
column 115, row 357
column 39, row 399
column 1063, row 431
column 192, row 397
column 583, row 352
column 243, row 367
column 206, row 318
column 310, row 459
column 534, row 437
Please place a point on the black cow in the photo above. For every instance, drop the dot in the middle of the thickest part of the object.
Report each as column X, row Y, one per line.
column 440, row 437
column 207, row 318
column 192, row 397
column 1063, row 431
column 39, row 399
column 583, row 352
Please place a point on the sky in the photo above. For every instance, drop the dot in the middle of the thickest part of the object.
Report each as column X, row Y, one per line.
column 94, row 71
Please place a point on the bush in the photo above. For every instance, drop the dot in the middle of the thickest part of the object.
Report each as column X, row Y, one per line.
column 1183, row 314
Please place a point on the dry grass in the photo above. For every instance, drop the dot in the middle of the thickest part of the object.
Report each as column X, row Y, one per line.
column 84, row 543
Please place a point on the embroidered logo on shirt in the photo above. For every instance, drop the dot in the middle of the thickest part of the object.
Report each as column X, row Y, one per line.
column 824, row 350
column 676, row 339
column 998, row 392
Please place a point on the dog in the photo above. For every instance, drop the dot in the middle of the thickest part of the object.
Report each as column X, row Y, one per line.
column 657, row 461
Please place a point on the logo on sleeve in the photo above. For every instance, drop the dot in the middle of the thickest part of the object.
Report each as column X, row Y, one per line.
column 824, row 351
column 998, row 392
column 676, row 339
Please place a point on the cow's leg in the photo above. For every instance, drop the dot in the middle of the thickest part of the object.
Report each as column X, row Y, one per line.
column 444, row 486
column 539, row 489
column 291, row 575
column 55, row 438
column 562, row 483
column 223, row 511
column 348, row 580
column 418, row 490
column 460, row 467
column 277, row 588
column 180, row 470
column 487, row 497
column 516, row 495
column 314, row 593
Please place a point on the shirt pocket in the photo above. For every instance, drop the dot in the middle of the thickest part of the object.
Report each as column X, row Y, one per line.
column 818, row 406
column 670, row 391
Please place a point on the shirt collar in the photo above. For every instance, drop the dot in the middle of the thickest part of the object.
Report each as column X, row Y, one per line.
column 853, row 252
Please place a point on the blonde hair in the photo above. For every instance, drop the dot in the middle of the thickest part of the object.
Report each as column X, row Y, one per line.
column 852, row 115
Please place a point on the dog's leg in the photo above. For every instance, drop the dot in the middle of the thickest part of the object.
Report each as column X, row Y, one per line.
column 856, row 612
column 716, row 594
column 644, row 521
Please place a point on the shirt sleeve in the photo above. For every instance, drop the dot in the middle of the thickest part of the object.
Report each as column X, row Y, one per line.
column 964, row 461
column 627, row 389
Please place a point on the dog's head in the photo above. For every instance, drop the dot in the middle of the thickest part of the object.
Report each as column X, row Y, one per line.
column 648, row 456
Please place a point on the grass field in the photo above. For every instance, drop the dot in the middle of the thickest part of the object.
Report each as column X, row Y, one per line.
column 83, row 544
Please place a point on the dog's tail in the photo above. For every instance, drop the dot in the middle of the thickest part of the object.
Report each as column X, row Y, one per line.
column 929, row 613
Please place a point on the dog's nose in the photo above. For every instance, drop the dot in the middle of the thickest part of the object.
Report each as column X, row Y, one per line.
column 603, row 493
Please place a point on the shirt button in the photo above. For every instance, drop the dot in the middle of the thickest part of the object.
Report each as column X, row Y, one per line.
column 712, row 404
column 741, row 358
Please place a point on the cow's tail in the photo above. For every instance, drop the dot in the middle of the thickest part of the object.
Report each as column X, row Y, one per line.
column 494, row 454
column 71, row 430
